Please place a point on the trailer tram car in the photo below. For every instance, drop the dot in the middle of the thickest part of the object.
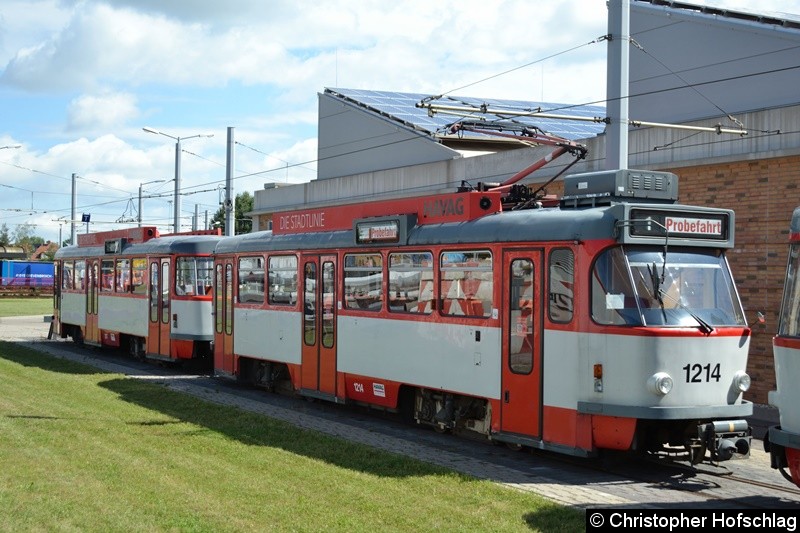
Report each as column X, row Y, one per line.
column 138, row 290
column 607, row 319
column 783, row 441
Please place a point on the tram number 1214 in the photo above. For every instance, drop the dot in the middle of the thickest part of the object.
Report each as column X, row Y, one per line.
column 696, row 372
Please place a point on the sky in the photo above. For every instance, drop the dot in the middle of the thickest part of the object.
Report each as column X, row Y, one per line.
column 80, row 79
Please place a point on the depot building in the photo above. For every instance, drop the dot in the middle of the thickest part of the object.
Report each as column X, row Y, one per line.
column 382, row 144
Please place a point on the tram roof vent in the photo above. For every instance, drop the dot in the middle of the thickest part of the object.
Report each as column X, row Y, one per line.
column 622, row 185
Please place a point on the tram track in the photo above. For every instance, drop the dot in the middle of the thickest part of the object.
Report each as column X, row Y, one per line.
column 729, row 475
column 627, row 483
column 770, row 486
column 719, row 484
column 766, row 485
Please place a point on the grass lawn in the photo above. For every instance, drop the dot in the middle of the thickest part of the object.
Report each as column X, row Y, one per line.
column 85, row 450
column 26, row 306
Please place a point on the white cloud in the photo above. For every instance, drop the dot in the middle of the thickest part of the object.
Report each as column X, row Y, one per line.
column 101, row 113
column 28, row 21
column 403, row 46
column 101, row 44
column 304, row 45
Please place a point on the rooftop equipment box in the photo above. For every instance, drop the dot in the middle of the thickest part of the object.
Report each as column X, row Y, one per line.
column 658, row 187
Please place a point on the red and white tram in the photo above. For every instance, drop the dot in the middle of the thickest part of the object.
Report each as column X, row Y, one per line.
column 783, row 441
column 136, row 289
column 606, row 320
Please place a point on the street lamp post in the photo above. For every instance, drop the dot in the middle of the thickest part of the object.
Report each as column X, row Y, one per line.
column 61, row 221
column 140, row 197
column 177, row 207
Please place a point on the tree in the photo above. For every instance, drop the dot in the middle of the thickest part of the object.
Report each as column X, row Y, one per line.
column 23, row 232
column 25, row 239
column 5, row 238
column 243, row 204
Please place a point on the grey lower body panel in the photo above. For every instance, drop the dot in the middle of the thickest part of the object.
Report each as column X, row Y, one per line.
column 743, row 409
column 190, row 337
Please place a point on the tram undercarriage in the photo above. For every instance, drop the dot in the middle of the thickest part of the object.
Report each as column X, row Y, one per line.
column 721, row 440
column 447, row 412
column 272, row 377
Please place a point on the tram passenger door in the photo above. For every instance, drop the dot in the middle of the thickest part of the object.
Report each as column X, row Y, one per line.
column 158, row 341
column 521, row 402
column 92, row 333
column 319, row 325
column 223, row 317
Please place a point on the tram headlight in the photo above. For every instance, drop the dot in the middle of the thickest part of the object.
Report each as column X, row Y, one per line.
column 660, row 383
column 741, row 381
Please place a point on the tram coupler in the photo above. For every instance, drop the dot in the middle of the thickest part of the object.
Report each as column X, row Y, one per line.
column 726, row 439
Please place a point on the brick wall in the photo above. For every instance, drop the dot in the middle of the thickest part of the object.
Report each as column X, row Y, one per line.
column 763, row 194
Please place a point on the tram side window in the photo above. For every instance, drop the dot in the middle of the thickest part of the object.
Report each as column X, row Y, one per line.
column 467, row 283
column 310, row 304
column 219, row 318
column 328, row 304
column 613, row 297
column 123, row 275
column 193, row 275
column 411, row 282
column 363, row 281
column 562, row 282
column 154, row 292
column 80, row 275
column 66, row 277
column 56, row 284
column 107, row 275
column 251, row 280
column 521, row 335
column 790, row 309
column 164, row 292
column 228, row 299
column 139, row 277
column 205, row 274
column 94, row 303
column 282, row 280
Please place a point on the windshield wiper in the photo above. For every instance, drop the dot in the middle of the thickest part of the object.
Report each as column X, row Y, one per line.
column 704, row 326
column 655, row 282
column 659, row 293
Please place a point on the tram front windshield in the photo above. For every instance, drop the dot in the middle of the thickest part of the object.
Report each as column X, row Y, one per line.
column 639, row 286
column 789, row 325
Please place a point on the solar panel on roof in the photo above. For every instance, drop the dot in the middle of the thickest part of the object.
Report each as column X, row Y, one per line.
column 402, row 107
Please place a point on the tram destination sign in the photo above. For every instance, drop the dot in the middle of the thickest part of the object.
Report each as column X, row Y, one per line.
column 693, row 226
column 113, row 246
column 387, row 231
column 682, row 224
